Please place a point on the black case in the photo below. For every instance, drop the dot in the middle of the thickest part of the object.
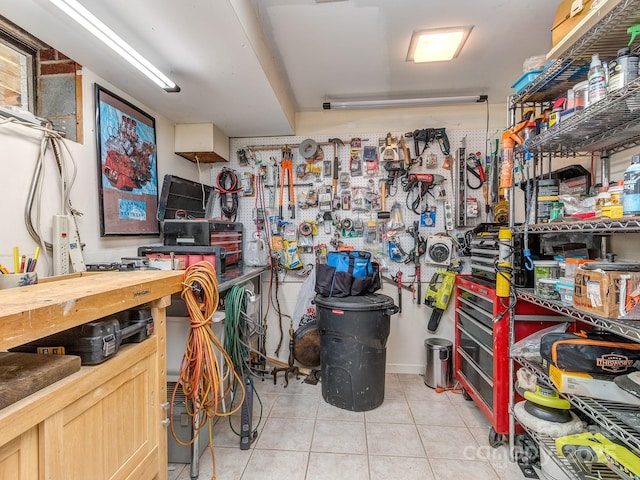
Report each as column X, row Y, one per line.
column 93, row 342
column 136, row 325
column 599, row 353
column 99, row 340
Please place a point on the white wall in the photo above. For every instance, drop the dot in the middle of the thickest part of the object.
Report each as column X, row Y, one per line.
column 20, row 146
column 405, row 347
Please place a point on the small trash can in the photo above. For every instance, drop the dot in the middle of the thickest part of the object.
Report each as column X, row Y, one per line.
column 439, row 366
column 353, row 338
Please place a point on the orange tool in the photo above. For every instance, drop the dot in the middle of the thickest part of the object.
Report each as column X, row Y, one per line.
column 509, row 138
column 287, row 172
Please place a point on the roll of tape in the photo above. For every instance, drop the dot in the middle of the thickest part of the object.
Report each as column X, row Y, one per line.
column 305, row 229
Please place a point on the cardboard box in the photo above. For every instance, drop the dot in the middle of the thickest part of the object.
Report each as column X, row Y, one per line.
column 600, row 387
column 608, row 294
column 568, row 14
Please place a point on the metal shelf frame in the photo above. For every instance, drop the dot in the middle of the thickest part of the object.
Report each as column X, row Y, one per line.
column 597, row 226
column 608, row 126
column 605, row 38
column 626, row 328
column 603, row 413
column 613, row 123
column 549, row 445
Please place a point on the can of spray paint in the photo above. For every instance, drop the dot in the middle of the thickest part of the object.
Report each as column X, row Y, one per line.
column 631, row 198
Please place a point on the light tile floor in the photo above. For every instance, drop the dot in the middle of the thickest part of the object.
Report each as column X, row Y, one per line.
column 416, row 434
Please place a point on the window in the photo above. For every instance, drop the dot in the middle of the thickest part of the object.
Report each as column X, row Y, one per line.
column 37, row 78
column 16, row 73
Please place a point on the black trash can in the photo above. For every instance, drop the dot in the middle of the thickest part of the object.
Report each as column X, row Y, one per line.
column 353, row 339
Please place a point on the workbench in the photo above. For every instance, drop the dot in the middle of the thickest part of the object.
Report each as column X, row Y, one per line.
column 103, row 422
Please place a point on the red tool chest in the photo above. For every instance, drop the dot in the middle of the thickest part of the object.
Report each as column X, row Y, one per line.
column 482, row 346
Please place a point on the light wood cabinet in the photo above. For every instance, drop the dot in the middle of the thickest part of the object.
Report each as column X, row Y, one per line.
column 19, row 456
column 105, row 421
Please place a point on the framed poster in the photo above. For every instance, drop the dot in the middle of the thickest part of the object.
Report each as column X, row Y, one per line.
column 128, row 180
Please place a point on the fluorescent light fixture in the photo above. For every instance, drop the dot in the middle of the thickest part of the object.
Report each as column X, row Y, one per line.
column 437, row 45
column 402, row 102
column 89, row 21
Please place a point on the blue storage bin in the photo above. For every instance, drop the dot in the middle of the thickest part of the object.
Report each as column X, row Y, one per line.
column 526, row 79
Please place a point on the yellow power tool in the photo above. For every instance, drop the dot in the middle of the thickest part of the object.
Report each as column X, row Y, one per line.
column 438, row 296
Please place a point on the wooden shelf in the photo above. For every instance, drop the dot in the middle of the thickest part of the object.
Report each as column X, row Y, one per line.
column 202, row 157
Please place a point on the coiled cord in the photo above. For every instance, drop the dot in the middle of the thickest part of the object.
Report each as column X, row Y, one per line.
column 417, row 192
column 237, row 335
column 228, row 187
column 202, row 378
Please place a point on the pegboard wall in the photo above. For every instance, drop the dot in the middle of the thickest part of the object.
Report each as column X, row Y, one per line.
column 270, row 160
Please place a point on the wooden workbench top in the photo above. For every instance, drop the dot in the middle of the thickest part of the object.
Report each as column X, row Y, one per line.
column 35, row 311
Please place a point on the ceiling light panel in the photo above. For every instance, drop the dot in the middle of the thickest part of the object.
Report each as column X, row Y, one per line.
column 437, row 45
column 333, row 104
column 89, row 21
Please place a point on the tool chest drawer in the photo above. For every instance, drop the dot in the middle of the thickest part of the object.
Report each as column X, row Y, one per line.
column 483, row 385
column 482, row 343
column 477, row 296
column 475, row 330
column 481, row 355
column 469, row 309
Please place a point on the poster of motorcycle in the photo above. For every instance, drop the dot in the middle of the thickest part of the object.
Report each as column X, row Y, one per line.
column 126, row 140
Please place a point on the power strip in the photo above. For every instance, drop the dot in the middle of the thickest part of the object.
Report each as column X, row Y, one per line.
column 67, row 251
column 246, row 416
column 75, row 248
column 60, row 245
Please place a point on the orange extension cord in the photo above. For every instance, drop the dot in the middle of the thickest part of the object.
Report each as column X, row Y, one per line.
column 202, row 377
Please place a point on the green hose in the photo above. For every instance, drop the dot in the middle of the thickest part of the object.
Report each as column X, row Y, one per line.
column 237, row 341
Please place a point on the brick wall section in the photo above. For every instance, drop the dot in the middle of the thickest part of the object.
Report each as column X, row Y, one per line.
column 56, row 91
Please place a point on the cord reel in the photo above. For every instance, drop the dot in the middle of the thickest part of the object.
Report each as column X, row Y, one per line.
column 439, row 250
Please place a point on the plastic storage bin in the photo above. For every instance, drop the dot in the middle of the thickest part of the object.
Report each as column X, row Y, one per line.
column 546, row 288
column 526, row 79
column 564, row 287
column 353, row 338
column 572, row 266
column 545, row 270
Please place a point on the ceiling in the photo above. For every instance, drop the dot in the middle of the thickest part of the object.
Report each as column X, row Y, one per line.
column 249, row 65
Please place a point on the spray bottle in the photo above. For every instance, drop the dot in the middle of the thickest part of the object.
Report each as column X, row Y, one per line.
column 597, row 80
column 631, row 198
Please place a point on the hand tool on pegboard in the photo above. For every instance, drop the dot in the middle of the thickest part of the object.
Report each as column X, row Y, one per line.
column 440, row 135
column 287, row 173
column 335, row 170
column 419, row 249
column 399, row 278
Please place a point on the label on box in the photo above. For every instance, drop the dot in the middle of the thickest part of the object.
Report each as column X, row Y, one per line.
column 593, row 293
